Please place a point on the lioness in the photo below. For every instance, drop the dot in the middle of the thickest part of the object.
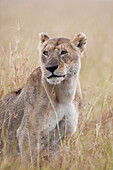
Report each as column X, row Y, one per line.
column 37, row 116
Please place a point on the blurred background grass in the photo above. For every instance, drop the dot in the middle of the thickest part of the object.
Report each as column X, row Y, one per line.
column 21, row 21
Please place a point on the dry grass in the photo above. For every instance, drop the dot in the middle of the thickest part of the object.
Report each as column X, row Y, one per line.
column 20, row 22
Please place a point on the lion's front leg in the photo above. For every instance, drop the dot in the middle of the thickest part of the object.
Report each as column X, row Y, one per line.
column 66, row 127
column 27, row 142
column 72, row 121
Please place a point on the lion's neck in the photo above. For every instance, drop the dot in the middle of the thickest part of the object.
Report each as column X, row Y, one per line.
column 63, row 93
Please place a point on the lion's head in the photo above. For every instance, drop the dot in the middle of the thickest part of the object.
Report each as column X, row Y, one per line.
column 60, row 57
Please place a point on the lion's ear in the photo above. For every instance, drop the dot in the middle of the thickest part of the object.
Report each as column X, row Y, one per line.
column 80, row 41
column 43, row 37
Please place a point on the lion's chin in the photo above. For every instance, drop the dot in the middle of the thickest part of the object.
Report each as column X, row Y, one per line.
column 55, row 80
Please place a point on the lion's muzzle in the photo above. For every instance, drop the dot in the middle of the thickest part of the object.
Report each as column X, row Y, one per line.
column 52, row 68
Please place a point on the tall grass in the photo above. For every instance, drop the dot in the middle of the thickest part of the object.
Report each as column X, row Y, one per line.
column 20, row 23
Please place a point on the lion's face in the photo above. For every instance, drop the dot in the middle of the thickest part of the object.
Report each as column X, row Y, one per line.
column 60, row 57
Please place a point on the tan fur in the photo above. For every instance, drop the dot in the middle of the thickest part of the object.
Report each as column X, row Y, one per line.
column 46, row 109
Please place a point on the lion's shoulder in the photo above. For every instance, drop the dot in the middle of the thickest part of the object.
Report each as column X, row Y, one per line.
column 35, row 77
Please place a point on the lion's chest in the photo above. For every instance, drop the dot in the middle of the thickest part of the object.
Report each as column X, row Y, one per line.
column 57, row 113
column 58, row 105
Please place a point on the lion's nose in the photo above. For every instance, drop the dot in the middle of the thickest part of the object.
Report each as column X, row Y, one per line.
column 52, row 68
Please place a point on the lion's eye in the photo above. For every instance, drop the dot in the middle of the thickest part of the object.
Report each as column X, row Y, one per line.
column 46, row 53
column 63, row 52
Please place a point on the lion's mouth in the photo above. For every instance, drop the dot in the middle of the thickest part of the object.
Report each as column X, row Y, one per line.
column 55, row 76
